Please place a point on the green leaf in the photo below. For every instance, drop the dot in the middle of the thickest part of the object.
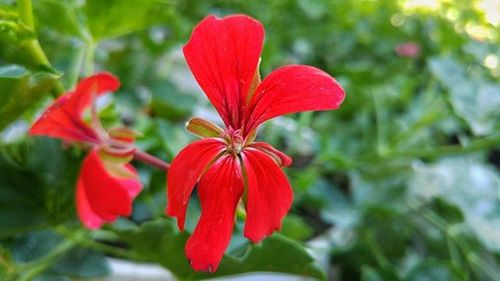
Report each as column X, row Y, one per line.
column 468, row 184
column 79, row 262
column 83, row 263
column 159, row 241
column 20, row 89
column 295, row 228
column 58, row 15
column 368, row 273
column 432, row 269
column 35, row 192
column 169, row 102
column 112, row 18
column 476, row 100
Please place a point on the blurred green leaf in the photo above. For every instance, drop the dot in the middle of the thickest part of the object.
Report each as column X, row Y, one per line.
column 470, row 185
column 169, row 102
column 81, row 263
column 20, row 89
column 7, row 266
column 370, row 274
column 35, row 192
column 160, row 242
column 58, row 15
column 430, row 270
column 78, row 262
column 107, row 19
column 295, row 228
column 476, row 100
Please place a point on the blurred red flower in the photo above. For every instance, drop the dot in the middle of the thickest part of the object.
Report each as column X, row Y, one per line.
column 107, row 184
column 410, row 50
column 227, row 164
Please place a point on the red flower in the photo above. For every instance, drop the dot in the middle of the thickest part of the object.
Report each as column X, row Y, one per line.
column 107, row 184
column 227, row 165
column 410, row 50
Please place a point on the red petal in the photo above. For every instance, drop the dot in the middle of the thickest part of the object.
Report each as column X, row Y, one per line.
column 63, row 119
column 223, row 55
column 102, row 197
column 184, row 173
column 281, row 158
column 291, row 89
column 87, row 216
column 220, row 190
column 269, row 195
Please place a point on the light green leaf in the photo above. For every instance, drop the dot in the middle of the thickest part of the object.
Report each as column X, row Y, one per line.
column 58, row 15
column 112, row 18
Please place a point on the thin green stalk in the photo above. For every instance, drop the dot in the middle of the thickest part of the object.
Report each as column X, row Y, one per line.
column 76, row 67
column 449, row 232
column 380, row 257
column 32, row 269
column 380, row 127
column 86, row 241
column 473, row 146
column 89, row 58
column 22, row 230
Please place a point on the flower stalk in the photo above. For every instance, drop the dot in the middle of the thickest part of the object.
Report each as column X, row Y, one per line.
column 151, row 160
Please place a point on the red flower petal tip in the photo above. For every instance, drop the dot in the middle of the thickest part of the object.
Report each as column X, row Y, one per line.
column 63, row 118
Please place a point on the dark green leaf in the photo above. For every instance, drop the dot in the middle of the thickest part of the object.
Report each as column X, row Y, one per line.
column 159, row 241
column 82, row 263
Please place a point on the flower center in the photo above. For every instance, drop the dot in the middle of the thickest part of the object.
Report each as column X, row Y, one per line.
column 234, row 140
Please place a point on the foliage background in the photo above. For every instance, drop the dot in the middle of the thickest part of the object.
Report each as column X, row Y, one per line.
column 401, row 183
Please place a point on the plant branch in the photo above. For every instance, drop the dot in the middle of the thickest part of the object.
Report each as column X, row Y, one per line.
column 26, row 13
column 151, row 160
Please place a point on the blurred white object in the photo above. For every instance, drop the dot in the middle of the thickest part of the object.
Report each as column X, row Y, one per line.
column 122, row 270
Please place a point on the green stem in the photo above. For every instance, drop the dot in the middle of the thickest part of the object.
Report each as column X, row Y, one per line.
column 26, row 13
column 379, row 126
column 75, row 67
column 21, row 230
column 449, row 232
column 377, row 251
column 32, row 46
column 151, row 160
column 89, row 58
column 86, row 241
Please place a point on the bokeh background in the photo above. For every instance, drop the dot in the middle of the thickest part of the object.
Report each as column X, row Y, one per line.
column 401, row 183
